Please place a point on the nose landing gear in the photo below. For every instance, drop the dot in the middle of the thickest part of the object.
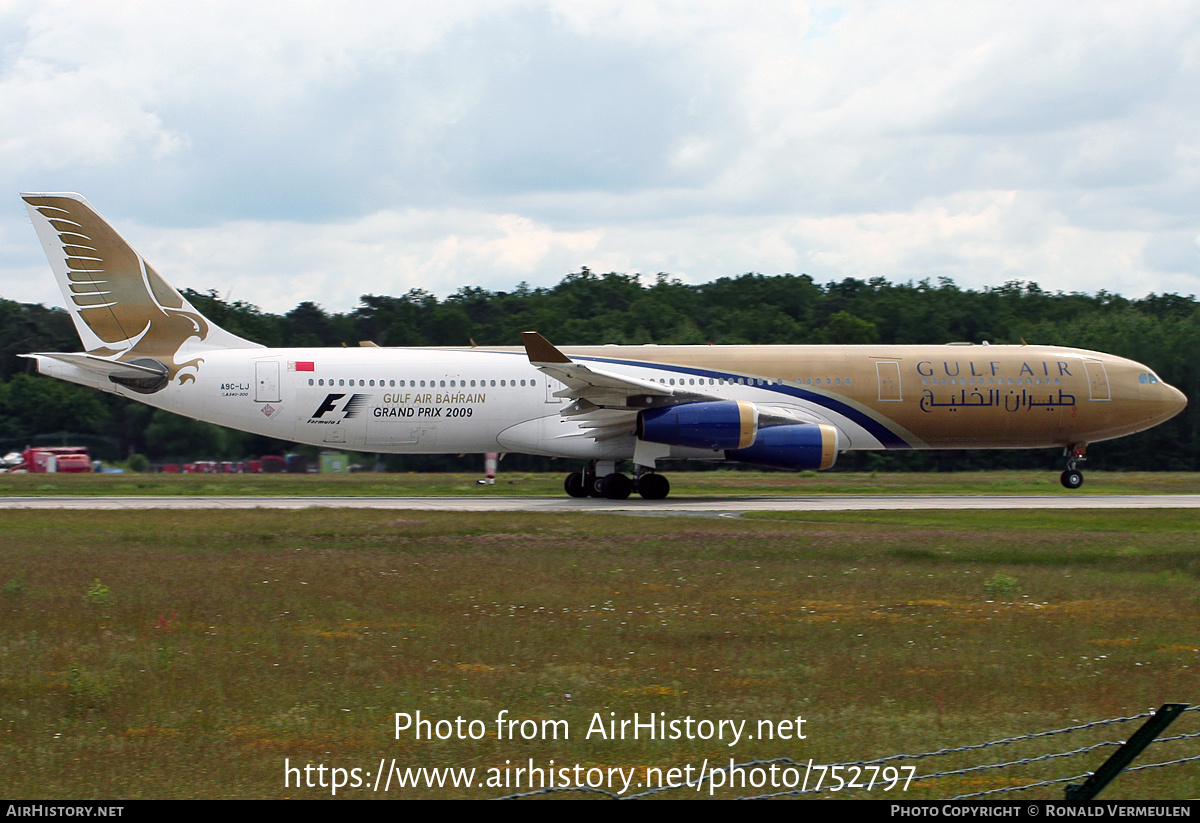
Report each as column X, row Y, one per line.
column 1072, row 478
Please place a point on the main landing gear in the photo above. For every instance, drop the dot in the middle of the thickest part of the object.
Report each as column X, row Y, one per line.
column 600, row 479
column 1072, row 478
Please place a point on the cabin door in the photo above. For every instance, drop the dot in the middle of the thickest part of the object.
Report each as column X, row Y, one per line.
column 266, row 381
column 889, row 381
column 1097, row 380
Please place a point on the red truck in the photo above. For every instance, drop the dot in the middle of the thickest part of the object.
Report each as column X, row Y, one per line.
column 56, row 459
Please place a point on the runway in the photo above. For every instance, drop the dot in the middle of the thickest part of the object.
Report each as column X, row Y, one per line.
column 684, row 506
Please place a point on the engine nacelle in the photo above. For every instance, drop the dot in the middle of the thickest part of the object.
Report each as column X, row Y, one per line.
column 803, row 446
column 714, row 424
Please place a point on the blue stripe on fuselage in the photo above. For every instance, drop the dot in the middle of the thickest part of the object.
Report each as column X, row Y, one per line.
column 882, row 433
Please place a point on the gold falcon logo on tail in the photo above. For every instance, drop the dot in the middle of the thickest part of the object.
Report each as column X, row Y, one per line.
column 123, row 310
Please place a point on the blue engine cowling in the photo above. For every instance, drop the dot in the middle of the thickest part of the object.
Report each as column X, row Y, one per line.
column 802, row 446
column 715, row 424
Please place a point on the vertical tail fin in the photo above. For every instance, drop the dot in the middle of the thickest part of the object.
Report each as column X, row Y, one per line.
column 122, row 308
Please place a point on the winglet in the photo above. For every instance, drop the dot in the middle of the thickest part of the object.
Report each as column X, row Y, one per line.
column 541, row 350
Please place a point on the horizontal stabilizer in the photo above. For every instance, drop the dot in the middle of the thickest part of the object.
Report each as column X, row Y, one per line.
column 99, row 365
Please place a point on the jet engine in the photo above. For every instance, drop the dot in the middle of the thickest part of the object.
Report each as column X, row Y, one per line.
column 802, row 446
column 733, row 426
column 712, row 424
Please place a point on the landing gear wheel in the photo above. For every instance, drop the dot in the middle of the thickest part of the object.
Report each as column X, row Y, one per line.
column 1072, row 478
column 653, row 486
column 574, row 485
column 616, row 486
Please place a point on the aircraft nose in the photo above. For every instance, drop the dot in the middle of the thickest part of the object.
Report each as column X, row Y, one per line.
column 1164, row 403
column 1175, row 402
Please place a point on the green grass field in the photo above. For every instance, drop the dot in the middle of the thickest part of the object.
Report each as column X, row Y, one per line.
column 187, row 654
column 709, row 483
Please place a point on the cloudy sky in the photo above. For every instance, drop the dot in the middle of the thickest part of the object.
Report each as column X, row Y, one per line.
column 280, row 152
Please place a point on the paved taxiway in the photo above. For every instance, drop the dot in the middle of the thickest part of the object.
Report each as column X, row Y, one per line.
column 696, row 506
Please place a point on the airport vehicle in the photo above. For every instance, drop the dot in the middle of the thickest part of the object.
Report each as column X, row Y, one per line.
column 51, row 459
column 792, row 407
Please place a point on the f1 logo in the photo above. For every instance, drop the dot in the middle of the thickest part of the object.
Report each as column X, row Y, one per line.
column 328, row 405
column 350, row 409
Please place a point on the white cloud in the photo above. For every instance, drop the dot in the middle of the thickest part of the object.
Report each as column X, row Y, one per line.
column 277, row 264
column 322, row 149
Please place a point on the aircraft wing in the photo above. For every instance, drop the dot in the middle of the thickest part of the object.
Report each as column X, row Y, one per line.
column 607, row 402
column 601, row 387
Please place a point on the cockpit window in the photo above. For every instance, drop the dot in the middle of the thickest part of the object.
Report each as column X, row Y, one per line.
column 1150, row 377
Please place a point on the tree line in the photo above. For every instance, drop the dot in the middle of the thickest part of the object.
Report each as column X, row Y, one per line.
column 586, row 308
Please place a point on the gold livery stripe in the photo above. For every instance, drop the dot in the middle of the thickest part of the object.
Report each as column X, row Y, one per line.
column 746, row 419
column 828, row 446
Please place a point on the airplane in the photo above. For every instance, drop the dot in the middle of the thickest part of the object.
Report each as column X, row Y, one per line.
column 792, row 407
